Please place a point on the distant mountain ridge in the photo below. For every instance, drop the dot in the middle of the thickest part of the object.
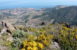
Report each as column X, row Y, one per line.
column 59, row 14
column 67, row 14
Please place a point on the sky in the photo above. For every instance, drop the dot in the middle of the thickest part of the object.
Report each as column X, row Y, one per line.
column 4, row 4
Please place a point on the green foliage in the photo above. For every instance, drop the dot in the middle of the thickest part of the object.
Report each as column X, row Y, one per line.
column 66, row 37
column 16, row 43
column 18, row 34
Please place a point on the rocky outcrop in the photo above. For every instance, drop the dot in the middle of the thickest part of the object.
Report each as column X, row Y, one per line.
column 54, row 46
column 7, row 27
column 3, row 47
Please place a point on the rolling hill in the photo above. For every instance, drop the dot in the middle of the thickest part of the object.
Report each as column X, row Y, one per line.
column 58, row 14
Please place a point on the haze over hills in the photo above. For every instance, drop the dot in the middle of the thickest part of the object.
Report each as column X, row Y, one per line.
column 58, row 14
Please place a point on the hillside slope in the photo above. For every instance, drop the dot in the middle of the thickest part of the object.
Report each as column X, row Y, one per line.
column 59, row 14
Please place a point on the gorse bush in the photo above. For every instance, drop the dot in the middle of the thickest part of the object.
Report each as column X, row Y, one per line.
column 37, row 40
column 40, row 38
column 30, row 38
column 39, row 43
column 67, row 38
column 32, row 45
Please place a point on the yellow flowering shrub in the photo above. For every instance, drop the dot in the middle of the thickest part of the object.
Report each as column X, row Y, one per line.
column 40, row 38
column 76, row 36
column 67, row 38
column 32, row 45
column 39, row 43
column 45, row 39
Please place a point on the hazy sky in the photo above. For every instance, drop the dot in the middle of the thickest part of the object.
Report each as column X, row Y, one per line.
column 34, row 3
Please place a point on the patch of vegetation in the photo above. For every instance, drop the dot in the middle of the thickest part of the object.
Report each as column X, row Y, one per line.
column 30, row 38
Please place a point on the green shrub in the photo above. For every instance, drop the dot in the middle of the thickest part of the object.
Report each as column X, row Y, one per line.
column 18, row 34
